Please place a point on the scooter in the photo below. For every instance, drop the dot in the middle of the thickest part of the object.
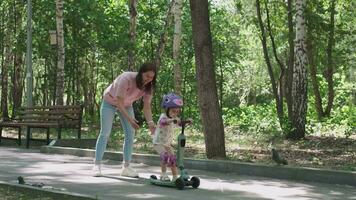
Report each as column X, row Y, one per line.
column 183, row 179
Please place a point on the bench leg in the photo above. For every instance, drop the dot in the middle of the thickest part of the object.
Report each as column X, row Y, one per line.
column 59, row 131
column 0, row 133
column 47, row 136
column 19, row 138
column 79, row 134
column 28, row 137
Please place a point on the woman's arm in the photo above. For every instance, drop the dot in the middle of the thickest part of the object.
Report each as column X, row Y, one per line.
column 120, row 106
column 148, row 115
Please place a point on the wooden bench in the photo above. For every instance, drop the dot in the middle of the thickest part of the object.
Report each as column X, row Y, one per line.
column 45, row 117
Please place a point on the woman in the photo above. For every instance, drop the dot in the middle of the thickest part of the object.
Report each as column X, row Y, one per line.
column 118, row 98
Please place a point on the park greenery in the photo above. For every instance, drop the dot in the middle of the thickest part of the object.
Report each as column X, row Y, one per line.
column 96, row 35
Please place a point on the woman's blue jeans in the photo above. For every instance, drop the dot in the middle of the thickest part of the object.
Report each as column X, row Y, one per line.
column 107, row 114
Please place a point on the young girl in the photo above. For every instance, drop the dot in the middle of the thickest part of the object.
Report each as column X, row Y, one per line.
column 164, row 132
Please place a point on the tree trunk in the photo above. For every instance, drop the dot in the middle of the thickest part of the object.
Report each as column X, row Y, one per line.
column 8, row 54
column 352, row 80
column 90, row 83
column 314, row 79
column 299, row 85
column 330, row 67
column 45, row 84
column 177, row 37
column 289, row 73
column 163, row 38
column 18, row 59
column 212, row 122
column 281, row 83
column 60, row 53
column 8, row 60
column 221, row 82
column 132, row 34
column 279, row 101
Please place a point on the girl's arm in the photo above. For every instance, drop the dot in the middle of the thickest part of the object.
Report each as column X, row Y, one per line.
column 166, row 121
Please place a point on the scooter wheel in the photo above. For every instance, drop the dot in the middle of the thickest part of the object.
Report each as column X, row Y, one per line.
column 179, row 183
column 154, row 177
column 195, row 182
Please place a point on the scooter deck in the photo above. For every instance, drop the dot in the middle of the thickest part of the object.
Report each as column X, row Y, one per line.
column 162, row 183
column 136, row 180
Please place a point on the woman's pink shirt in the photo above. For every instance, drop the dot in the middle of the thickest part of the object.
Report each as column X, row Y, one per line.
column 125, row 86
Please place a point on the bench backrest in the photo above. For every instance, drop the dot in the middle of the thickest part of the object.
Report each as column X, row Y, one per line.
column 66, row 116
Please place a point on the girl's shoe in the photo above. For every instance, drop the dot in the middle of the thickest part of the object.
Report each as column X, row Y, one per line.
column 164, row 177
column 174, row 178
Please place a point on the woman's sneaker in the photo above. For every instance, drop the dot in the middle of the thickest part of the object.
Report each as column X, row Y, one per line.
column 129, row 172
column 97, row 169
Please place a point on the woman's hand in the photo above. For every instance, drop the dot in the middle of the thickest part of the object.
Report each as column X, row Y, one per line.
column 134, row 123
column 152, row 127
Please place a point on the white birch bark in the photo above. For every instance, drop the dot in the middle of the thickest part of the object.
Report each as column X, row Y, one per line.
column 299, row 85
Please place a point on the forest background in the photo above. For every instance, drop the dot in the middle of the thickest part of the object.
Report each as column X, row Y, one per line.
column 251, row 50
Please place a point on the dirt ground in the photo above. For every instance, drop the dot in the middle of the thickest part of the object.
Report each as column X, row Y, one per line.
column 315, row 152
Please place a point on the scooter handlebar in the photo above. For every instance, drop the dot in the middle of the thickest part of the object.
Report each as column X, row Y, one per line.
column 184, row 122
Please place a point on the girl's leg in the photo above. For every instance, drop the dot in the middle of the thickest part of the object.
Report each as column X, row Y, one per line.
column 163, row 168
column 174, row 172
column 107, row 113
column 129, row 136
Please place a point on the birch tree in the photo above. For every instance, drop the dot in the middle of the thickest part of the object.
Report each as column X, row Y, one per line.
column 299, row 85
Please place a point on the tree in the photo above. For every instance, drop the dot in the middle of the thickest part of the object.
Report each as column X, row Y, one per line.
column 60, row 53
column 278, row 95
column 299, row 85
column 17, row 77
column 330, row 65
column 132, row 34
column 289, row 74
column 212, row 122
column 177, row 37
column 163, row 37
column 313, row 55
column 8, row 57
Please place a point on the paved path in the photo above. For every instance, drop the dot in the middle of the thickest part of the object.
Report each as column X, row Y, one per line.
column 74, row 175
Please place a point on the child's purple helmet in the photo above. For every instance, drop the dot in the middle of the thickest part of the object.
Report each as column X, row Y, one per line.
column 171, row 100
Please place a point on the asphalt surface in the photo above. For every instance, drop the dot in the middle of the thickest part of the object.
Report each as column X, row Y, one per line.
column 73, row 174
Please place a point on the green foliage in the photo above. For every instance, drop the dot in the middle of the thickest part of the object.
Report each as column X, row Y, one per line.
column 342, row 122
column 259, row 119
column 96, row 43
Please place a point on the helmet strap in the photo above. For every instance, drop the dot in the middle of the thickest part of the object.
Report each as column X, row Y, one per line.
column 167, row 112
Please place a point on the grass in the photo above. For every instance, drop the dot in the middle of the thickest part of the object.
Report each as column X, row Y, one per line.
column 327, row 151
column 316, row 151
